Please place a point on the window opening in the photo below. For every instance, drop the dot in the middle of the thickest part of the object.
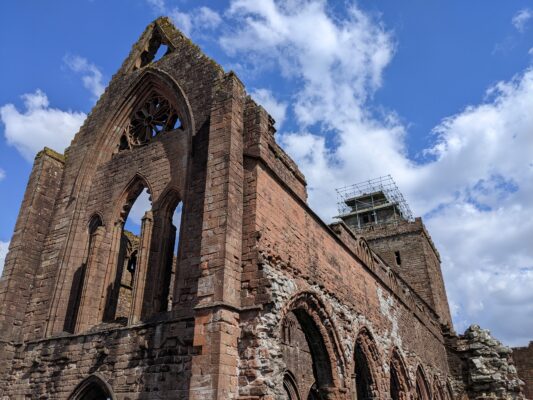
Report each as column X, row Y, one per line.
column 153, row 117
column 128, row 255
column 398, row 258
column 394, row 384
column 161, row 52
column 170, row 276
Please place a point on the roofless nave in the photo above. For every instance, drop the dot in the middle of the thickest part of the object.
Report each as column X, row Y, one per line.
column 262, row 299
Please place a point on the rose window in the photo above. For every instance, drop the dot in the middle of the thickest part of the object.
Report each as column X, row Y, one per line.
column 155, row 116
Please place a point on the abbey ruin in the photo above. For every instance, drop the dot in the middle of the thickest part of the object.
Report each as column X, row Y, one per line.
column 261, row 299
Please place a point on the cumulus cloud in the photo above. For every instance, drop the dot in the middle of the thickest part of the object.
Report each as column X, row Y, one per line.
column 192, row 23
column 157, row 5
column 90, row 74
column 521, row 19
column 197, row 21
column 39, row 125
column 475, row 186
column 277, row 109
column 3, row 252
column 2, row 174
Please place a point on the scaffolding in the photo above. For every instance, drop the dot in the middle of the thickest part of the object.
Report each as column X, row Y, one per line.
column 372, row 195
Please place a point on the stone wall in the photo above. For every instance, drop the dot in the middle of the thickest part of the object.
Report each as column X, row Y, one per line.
column 141, row 362
column 263, row 294
column 523, row 361
column 486, row 366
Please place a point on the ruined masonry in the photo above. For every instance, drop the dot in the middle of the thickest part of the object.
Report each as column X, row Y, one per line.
column 252, row 297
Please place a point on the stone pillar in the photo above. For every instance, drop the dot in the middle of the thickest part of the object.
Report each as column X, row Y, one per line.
column 215, row 369
column 24, row 256
column 142, row 268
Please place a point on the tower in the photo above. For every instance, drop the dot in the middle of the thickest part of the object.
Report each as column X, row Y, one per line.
column 377, row 210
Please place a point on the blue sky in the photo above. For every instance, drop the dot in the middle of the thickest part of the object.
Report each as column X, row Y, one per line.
column 438, row 94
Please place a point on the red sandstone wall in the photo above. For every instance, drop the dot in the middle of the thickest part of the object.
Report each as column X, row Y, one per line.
column 249, row 244
column 523, row 360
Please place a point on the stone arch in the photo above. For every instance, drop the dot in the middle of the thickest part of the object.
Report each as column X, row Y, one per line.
column 108, row 135
column 399, row 378
column 133, row 189
column 449, row 390
column 422, row 388
column 113, row 276
column 168, row 200
column 165, row 234
column 151, row 80
column 439, row 389
column 100, row 142
column 322, row 339
column 367, row 366
column 290, row 386
column 93, row 388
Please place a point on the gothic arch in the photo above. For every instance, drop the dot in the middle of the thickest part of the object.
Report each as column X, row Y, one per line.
column 440, row 389
column 151, row 80
column 167, row 201
column 322, row 339
column 290, row 386
column 422, row 389
column 367, row 366
column 132, row 191
column 399, row 378
column 108, row 135
column 93, row 388
column 94, row 222
column 449, row 390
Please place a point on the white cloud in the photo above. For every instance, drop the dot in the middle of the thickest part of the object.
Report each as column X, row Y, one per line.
column 192, row 23
column 195, row 22
column 3, row 252
column 91, row 74
column 521, row 19
column 475, row 189
column 39, row 125
column 277, row 109
column 208, row 18
column 2, row 174
column 157, row 5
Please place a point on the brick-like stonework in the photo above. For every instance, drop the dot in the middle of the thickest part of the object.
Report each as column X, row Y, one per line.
column 523, row 361
column 263, row 300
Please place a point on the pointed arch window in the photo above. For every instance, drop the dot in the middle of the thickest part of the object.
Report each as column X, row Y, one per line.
column 422, row 387
column 92, row 388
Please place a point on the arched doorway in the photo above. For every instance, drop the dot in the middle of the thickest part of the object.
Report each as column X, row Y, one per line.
column 365, row 358
column 92, row 388
column 310, row 350
column 399, row 383
column 290, row 386
column 422, row 386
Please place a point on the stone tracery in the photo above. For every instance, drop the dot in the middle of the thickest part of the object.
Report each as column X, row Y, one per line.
column 155, row 116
